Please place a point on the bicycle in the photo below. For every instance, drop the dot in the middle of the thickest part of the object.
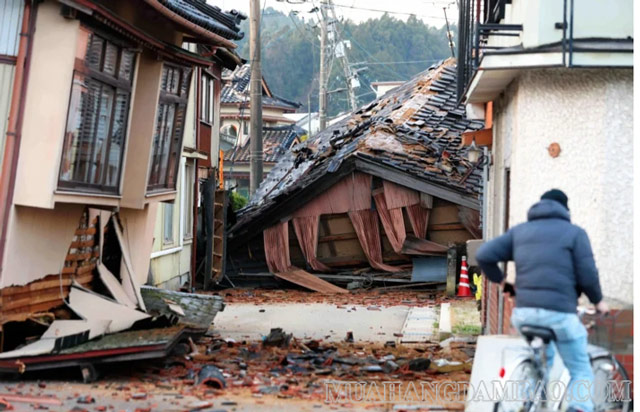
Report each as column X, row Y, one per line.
column 531, row 371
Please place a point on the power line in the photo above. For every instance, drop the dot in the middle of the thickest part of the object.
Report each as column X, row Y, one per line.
column 400, row 62
column 352, row 37
column 385, row 11
column 302, row 31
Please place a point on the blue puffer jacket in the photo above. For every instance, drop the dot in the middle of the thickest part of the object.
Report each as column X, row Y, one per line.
column 554, row 261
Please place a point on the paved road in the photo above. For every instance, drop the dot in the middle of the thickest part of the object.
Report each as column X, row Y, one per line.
column 314, row 321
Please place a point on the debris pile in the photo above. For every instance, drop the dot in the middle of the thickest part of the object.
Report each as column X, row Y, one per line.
column 379, row 298
column 287, row 367
column 116, row 326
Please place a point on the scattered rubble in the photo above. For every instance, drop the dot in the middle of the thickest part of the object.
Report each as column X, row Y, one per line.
column 287, row 367
column 373, row 297
column 277, row 337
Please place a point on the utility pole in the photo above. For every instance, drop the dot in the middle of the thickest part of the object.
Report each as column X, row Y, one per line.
column 255, row 133
column 449, row 35
column 349, row 76
column 322, row 106
column 309, row 114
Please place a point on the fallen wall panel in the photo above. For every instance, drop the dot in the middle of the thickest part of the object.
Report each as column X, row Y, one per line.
column 91, row 306
column 309, row 281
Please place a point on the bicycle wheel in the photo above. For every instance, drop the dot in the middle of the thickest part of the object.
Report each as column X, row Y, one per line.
column 610, row 391
column 525, row 396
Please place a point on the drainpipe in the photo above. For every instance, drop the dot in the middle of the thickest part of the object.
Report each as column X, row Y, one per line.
column 485, row 229
column 196, row 188
column 14, row 125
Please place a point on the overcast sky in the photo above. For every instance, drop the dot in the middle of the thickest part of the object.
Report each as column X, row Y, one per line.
column 428, row 10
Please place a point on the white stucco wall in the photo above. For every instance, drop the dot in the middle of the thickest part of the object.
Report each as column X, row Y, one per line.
column 589, row 113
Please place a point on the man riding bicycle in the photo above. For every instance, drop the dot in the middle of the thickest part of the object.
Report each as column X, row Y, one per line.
column 554, row 265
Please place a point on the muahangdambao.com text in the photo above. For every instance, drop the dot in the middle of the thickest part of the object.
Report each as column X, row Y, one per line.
column 463, row 392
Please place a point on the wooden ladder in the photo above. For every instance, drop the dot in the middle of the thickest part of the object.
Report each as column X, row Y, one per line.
column 219, row 218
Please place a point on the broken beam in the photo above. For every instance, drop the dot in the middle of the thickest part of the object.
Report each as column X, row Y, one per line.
column 399, row 177
column 452, row 226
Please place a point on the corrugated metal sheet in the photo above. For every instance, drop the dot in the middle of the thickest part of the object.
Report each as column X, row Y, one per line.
column 6, row 87
column 10, row 21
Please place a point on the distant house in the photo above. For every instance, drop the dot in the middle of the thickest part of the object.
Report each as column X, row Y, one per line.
column 555, row 81
column 276, row 141
column 235, row 107
column 309, row 122
column 382, row 87
column 387, row 184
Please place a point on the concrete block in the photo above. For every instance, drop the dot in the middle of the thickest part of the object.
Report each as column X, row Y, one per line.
column 472, row 249
column 444, row 326
column 452, row 271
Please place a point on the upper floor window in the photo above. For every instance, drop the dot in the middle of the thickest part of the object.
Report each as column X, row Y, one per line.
column 167, row 139
column 229, row 131
column 98, row 111
column 206, row 98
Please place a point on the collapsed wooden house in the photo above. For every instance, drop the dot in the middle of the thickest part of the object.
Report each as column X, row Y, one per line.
column 383, row 189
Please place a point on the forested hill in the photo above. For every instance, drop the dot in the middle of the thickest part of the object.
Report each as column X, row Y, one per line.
column 390, row 49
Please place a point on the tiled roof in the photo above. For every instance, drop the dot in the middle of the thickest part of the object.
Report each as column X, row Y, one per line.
column 212, row 18
column 276, row 141
column 235, row 89
column 413, row 130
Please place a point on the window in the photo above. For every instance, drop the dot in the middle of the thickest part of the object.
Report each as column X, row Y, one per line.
column 98, row 111
column 206, row 98
column 229, row 131
column 167, row 140
column 189, row 179
column 167, row 231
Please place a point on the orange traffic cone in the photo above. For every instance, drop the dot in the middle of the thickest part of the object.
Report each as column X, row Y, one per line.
column 463, row 287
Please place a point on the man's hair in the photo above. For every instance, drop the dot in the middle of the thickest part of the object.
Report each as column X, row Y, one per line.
column 558, row 196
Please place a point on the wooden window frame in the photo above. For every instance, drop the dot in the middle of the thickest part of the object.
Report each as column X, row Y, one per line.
column 189, row 179
column 91, row 75
column 168, row 220
column 158, row 182
column 207, row 98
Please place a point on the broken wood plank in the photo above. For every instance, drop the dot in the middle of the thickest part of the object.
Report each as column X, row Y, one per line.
column 114, row 286
column 309, row 281
column 415, row 246
column 127, row 261
column 27, row 299
column 47, row 282
column 23, row 313
column 35, row 400
column 23, row 300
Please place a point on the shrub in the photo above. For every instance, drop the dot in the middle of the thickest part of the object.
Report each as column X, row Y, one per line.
column 238, row 201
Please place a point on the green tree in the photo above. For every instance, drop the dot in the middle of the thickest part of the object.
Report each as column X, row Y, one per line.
column 383, row 47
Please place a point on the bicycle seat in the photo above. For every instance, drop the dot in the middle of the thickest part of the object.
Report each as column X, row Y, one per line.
column 533, row 331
